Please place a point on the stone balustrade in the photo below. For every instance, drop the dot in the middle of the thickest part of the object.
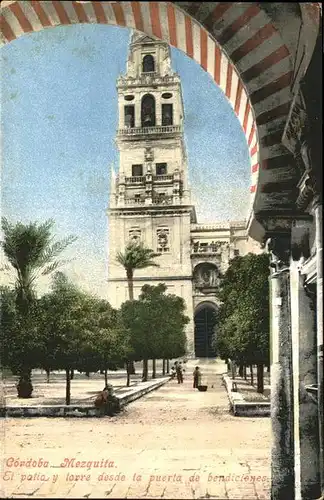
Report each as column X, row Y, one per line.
column 138, row 179
column 134, row 201
column 165, row 200
column 162, row 178
column 132, row 131
column 213, row 248
column 146, row 78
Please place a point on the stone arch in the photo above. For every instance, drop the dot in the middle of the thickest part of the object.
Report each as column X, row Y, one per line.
column 148, row 111
column 205, row 303
column 148, row 64
column 238, row 44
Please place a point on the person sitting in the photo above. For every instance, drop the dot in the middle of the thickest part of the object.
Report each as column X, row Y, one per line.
column 106, row 401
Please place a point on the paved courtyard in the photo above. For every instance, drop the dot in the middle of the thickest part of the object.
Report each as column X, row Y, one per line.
column 173, row 443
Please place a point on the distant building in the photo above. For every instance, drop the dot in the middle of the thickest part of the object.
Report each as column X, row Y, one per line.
column 150, row 199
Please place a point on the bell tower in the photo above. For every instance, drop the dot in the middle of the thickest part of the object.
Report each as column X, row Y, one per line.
column 150, row 196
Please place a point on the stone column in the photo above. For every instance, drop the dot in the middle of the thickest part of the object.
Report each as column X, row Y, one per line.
column 318, row 213
column 282, row 453
column 303, row 324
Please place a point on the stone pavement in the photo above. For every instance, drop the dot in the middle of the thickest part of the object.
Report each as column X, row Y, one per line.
column 173, row 443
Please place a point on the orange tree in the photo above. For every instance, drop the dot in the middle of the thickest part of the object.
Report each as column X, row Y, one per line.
column 242, row 328
column 155, row 324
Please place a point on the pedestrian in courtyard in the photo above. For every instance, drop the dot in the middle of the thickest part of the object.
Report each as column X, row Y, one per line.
column 196, row 377
column 178, row 368
column 182, row 371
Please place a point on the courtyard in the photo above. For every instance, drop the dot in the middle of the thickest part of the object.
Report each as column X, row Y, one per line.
column 175, row 442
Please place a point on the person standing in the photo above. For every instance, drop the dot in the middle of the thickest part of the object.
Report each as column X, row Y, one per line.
column 196, row 377
column 182, row 370
column 178, row 368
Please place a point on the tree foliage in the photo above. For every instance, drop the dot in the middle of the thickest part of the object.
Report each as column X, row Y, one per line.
column 21, row 341
column 242, row 330
column 81, row 330
column 31, row 251
column 135, row 256
column 156, row 323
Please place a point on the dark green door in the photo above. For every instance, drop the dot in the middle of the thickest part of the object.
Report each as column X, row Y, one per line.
column 204, row 330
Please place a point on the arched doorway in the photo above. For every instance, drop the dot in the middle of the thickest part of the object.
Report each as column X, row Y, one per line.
column 205, row 321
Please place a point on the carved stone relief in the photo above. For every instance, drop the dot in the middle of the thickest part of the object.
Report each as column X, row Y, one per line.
column 205, row 276
column 163, row 244
column 135, row 235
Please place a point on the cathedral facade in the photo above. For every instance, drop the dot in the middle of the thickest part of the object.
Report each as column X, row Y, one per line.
column 150, row 198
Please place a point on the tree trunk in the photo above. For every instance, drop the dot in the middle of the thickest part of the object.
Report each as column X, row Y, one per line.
column 72, row 375
column 153, row 368
column 260, row 385
column 130, row 368
column 244, row 372
column 68, row 386
column 168, row 366
column 241, row 371
column 106, row 377
column 163, row 367
column 233, row 368
column 128, row 373
column 48, row 371
column 268, row 369
column 145, row 370
column 130, row 284
column 251, row 373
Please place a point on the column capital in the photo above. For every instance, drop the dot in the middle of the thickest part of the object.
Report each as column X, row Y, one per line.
column 317, row 201
column 276, row 223
column 278, row 245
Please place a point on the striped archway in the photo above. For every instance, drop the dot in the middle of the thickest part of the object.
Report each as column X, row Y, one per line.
column 246, row 52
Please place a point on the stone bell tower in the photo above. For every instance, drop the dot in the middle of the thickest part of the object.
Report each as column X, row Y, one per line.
column 150, row 196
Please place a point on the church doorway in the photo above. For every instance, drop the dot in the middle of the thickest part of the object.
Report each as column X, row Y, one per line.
column 205, row 321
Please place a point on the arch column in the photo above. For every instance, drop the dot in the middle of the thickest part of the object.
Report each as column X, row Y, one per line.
column 282, row 453
column 306, row 439
column 318, row 214
column 302, row 136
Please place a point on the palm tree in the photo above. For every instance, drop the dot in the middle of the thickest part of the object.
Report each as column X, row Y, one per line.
column 31, row 251
column 136, row 256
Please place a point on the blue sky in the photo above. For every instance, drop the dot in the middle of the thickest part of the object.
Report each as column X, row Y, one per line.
column 59, row 118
